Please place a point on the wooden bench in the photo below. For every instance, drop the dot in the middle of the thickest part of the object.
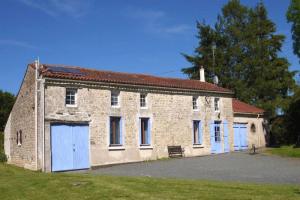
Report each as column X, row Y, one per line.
column 175, row 151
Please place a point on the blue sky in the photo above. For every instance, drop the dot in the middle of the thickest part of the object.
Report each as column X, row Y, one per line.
column 131, row 36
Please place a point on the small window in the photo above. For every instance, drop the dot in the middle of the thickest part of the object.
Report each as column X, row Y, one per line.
column 253, row 128
column 217, row 131
column 145, row 132
column 115, row 98
column 115, row 131
column 217, row 104
column 19, row 138
column 143, row 100
column 71, row 97
column 197, row 132
column 195, row 103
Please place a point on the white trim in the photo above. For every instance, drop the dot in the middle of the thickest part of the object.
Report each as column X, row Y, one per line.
column 196, row 146
column 143, row 147
column 121, row 147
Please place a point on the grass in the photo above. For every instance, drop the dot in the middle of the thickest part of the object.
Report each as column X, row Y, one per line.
column 286, row 151
column 17, row 183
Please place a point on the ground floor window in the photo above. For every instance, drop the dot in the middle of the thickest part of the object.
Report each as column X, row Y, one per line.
column 115, row 131
column 145, row 131
column 197, row 134
column 217, row 131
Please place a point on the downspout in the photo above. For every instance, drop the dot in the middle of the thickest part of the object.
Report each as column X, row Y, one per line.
column 36, row 64
column 43, row 122
column 259, row 137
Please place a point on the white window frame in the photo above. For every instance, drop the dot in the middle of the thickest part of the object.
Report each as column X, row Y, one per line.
column 75, row 97
column 198, row 122
column 148, row 135
column 195, row 103
column 120, row 132
column 117, row 95
column 217, row 104
column 145, row 106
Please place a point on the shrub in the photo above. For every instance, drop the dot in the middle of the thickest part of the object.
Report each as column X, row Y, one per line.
column 3, row 157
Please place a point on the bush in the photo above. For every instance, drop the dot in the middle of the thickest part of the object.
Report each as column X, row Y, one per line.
column 3, row 157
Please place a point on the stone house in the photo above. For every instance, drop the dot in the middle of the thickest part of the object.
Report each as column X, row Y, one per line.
column 68, row 118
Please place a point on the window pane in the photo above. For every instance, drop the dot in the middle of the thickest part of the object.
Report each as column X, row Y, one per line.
column 115, row 132
column 216, row 104
column 114, row 99
column 217, row 132
column 143, row 100
column 144, row 131
column 71, row 96
column 195, row 105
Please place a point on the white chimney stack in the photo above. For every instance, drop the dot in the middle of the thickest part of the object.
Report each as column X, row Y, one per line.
column 202, row 74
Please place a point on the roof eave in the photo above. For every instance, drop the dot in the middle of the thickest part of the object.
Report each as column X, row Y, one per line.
column 136, row 85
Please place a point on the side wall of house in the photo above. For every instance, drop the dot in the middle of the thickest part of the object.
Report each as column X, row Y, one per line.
column 171, row 117
column 22, row 119
column 7, row 132
column 257, row 137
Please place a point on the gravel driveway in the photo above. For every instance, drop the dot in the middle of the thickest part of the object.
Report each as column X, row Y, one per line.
column 237, row 166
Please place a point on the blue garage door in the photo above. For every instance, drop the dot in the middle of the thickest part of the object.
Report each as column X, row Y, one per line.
column 69, row 147
column 240, row 136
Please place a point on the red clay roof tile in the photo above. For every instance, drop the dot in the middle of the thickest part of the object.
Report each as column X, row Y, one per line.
column 79, row 73
column 242, row 107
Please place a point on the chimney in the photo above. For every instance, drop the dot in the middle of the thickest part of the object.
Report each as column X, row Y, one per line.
column 202, row 74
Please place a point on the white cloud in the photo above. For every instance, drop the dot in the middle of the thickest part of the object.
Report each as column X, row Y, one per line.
column 156, row 21
column 55, row 8
column 16, row 43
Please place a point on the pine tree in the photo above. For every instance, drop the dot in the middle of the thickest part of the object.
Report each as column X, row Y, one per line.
column 246, row 58
column 293, row 16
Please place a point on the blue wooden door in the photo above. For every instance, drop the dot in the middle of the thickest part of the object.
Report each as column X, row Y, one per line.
column 69, row 147
column 226, row 136
column 215, row 137
column 61, row 148
column 80, row 147
column 236, row 130
column 212, row 138
column 243, row 137
column 240, row 136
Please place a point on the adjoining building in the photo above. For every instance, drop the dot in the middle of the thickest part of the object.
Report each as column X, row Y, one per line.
column 68, row 118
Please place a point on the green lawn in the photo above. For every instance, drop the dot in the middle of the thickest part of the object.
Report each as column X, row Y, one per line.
column 287, row 151
column 17, row 183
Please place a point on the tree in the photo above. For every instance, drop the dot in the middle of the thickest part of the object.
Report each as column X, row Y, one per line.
column 6, row 103
column 293, row 16
column 246, row 56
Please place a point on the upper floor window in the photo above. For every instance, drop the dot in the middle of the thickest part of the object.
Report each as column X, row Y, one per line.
column 197, row 133
column 143, row 100
column 217, row 104
column 115, row 98
column 115, row 135
column 71, row 97
column 195, row 103
column 145, row 138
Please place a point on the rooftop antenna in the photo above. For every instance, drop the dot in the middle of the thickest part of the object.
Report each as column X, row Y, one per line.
column 215, row 77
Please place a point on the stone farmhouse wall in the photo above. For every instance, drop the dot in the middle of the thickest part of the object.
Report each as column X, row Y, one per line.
column 22, row 119
column 171, row 115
